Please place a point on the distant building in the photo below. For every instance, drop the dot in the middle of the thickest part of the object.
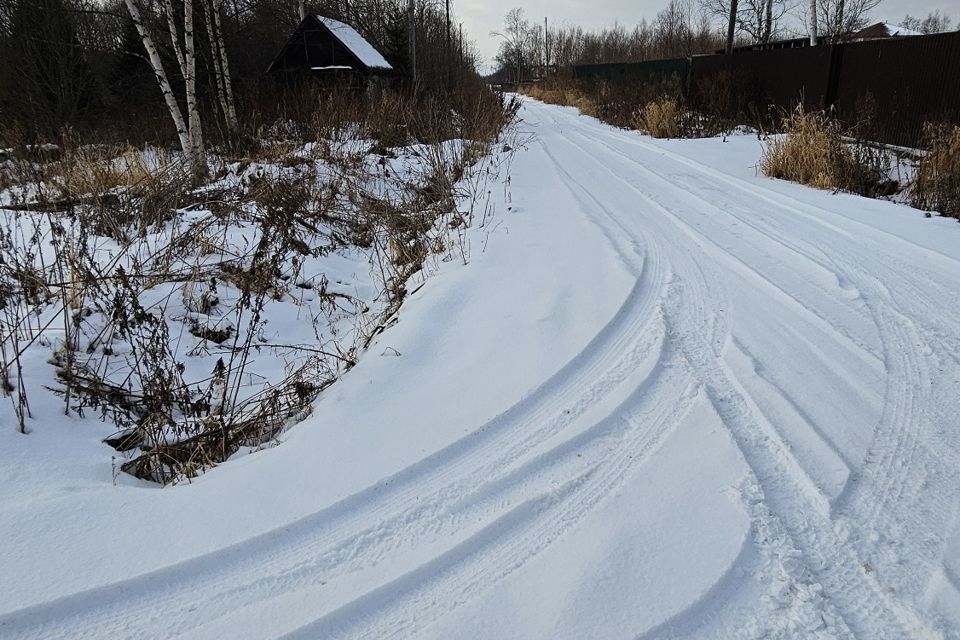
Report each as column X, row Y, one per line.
column 328, row 49
column 882, row 30
column 878, row 31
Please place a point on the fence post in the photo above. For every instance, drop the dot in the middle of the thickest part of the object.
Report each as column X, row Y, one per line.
column 833, row 75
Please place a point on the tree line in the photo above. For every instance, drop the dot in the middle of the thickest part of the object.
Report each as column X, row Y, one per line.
column 683, row 28
column 128, row 69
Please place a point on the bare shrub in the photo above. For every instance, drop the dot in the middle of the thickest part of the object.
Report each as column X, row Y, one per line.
column 937, row 183
column 725, row 99
column 154, row 298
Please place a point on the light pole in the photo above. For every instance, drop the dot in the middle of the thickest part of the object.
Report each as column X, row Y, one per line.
column 412, row 9
column 448, row 44
column 546, row 47
column 412, row 38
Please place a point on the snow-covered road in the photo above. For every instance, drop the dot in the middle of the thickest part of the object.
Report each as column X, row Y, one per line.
column 670, row 399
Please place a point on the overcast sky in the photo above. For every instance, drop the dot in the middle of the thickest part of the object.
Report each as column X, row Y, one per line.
column 479, row 17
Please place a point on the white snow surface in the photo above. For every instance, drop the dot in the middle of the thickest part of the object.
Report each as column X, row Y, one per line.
column 357, row 44
column 670, row 398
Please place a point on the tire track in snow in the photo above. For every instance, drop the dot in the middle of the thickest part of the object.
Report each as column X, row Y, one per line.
column 408, row 604
column 899, row 507
column 912, row 464
column 785, row 498
column 825, row 234
column 809, row 304
column 320, row 545
column 899, row 496
column 866, row 609
column 183, row 596
column 858, row 251
column 774, row 197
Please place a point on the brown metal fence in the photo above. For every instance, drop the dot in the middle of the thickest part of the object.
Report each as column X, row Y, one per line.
column 889, row 88
column 900, row 84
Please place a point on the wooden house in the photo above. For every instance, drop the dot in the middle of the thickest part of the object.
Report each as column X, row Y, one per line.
column 330, row 50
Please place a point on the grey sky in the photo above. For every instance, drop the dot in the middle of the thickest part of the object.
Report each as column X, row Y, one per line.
column 482, row 16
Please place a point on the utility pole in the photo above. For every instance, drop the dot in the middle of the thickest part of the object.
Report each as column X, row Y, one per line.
column 448, row 44
column 519, row 64
column 546, row 46
column 412, row 8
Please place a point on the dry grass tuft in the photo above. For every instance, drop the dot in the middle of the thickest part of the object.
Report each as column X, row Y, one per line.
column 811, row 153
column 814, row 152
column 660, row 118
column 937, row 185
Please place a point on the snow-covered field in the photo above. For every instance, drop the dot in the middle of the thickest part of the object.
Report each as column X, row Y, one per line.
column 667, row 399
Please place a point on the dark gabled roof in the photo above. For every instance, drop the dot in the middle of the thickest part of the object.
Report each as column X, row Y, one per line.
column 348, row 49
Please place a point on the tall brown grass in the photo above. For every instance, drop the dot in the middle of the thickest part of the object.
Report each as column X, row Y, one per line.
column 660, row 118
column 813, row 152
column 937, row 184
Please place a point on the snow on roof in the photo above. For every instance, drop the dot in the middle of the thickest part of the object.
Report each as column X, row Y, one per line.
column 900, row 30
column 356, row 43
column 884, row 30
column 333, row 67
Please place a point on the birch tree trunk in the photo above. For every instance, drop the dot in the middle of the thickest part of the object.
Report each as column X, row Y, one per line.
column 813, row 22
column 215, row 57
column 157, row 65
column 174, row 33
column 198, row 153
column 224, row 70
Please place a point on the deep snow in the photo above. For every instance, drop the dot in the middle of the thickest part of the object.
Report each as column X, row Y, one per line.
column 670, row 398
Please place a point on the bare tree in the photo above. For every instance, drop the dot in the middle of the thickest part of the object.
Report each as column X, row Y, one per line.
column 835, row 18
column 935, row 22
column 221, row 65
column 679, row 30
column 758, row 19
column 189, row 129
column 46, row 76
column 516, row 34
